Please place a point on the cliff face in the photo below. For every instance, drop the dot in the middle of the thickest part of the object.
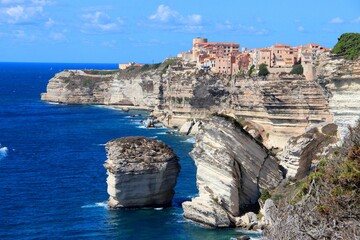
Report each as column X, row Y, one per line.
column 340, row 79
column 232, row 169
column 81, row 87
column 282, row 105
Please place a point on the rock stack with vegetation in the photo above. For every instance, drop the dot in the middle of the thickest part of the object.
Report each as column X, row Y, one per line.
column 142, row 172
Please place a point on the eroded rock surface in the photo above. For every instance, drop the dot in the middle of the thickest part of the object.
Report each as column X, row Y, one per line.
column 142, row 172
column 303, row 150
column 232, row 169
column 340, row 79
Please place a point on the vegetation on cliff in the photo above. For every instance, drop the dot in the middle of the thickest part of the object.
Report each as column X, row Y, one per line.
column 297, row 69
column 326, row 204
column 263, row 71
column 348, row 45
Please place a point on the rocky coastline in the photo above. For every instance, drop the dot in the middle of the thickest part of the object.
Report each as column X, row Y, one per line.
column 266, row 133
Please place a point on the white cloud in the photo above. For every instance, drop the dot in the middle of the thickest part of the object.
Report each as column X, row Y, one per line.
column 21, row 13
column 356, row 20
column 100, row 21
column 336, row 20
column 194, row 19
column 166, row 18
column 11, row 1
column 301, row 29
column 164, row 14
column 228, row 26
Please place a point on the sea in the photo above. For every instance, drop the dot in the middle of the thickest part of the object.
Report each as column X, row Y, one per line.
column 52, row 179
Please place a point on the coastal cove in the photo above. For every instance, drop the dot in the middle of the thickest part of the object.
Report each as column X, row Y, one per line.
column 53, row 183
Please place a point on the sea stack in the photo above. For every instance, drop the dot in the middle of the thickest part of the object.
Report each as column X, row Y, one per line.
column 142, row 172
column 232, row 169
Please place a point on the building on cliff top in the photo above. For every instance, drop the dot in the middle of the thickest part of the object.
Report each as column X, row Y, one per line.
column 226, row 58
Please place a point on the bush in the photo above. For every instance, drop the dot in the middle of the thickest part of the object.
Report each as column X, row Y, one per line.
column 348, row 45
column 263, row 71
column 297, row 69
column 251, row 70
column 265, row 195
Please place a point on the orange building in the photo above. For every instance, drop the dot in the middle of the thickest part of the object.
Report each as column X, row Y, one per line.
column 283, row 55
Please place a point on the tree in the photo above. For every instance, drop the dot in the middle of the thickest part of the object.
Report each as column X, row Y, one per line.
column 251, row 70
column 263, row 71
column 297, row 69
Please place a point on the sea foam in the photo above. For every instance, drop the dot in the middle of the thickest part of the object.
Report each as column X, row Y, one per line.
column 190, row 140
column 96, row 205
column 3, row 152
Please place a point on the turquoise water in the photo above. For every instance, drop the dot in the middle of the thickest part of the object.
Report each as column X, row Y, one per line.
column 52, row 181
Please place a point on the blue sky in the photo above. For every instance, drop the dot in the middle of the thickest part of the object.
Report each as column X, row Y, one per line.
column 147, row 31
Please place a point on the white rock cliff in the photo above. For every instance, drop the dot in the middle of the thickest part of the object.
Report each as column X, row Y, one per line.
column 232, row 169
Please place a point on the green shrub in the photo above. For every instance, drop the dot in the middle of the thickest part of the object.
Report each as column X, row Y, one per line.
column 348, row 45
column 263, row 71
column 297, row 69
column 265, row 195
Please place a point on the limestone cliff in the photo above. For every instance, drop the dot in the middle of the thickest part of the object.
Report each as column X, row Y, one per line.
column 142, row 172
column 232, row 169
column 103, row 87
column 340, row 79
column 283, row 105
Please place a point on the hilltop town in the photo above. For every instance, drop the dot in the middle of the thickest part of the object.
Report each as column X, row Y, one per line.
column 228, row 58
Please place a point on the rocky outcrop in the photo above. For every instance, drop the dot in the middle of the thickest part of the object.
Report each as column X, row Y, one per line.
column 340, row 79
column 103, row 87
column 232, row 169
column 304, row 150
column 142, row 172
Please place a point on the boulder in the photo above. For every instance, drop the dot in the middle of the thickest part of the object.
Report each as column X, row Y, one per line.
column 232, row 169
column 142, row 172
column 149, row 123
column 206, row 212
column 249, row 217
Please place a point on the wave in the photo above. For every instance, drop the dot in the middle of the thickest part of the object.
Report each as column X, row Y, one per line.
column 96, row 205
column 53, row 103
column 158, row 209
column 190, row 140
column 100, row 144
column 3, row 152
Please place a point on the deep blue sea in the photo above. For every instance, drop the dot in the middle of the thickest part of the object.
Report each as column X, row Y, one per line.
column 52, row 179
